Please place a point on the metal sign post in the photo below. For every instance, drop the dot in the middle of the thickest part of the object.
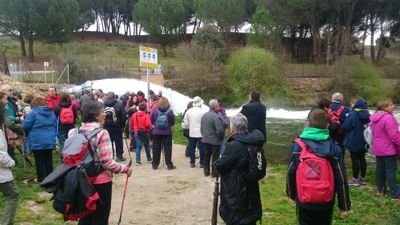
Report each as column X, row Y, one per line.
column 45, row 65
column 148, row 59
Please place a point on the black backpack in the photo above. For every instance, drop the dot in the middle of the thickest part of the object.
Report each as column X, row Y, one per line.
column 257, row 166
column 110, row 119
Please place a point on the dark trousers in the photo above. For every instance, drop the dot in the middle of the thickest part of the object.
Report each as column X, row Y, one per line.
column 116, row 138
column 358, row 163
column 386, row 169
column 211, row 152
column 103, row 207
column 162, row 143
column 314, row 217
column 43, row 163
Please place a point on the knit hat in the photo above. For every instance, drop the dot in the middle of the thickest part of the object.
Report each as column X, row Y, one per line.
column 197, row 101
column 337, row 97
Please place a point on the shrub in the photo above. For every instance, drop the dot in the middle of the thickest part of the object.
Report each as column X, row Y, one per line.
column 357, row 78
column 256, row 69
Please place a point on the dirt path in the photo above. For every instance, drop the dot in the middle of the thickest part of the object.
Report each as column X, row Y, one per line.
column 164, row 197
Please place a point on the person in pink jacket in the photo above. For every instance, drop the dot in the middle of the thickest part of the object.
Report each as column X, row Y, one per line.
column 92, row 118
column 385, row 141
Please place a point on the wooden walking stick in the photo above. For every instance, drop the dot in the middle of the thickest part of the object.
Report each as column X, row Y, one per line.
column 215, row 202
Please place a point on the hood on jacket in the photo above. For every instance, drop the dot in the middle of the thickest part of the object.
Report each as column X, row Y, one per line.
column 323, row 148
column 43, row 110
column 360, row 104
column 140, row 114
column 65, row 104
column 377, row 116
column 254, row 137
column 110, row 102
column 336, row 105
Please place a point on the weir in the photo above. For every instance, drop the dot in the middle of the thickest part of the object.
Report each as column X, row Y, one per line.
column 177, row 100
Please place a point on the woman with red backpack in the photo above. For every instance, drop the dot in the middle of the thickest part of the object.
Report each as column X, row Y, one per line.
column 66, row 114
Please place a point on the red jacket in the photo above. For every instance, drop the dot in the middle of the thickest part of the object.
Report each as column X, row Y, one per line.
column 140, row 120
column 52, row 102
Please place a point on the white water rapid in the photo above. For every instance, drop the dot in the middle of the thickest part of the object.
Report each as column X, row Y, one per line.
column 177, row 100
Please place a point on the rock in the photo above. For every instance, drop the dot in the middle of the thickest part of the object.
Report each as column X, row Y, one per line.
column 25, row 88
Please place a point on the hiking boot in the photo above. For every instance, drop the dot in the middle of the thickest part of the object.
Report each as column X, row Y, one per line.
column 192, row 165
column 362, row 181
column 138, row 163
column 206, row 173
column 171, row 167
column 150, row 160
column 120, row 159
column 201, row 165
column 380, row 193
column 354, row 182
column 154, row 167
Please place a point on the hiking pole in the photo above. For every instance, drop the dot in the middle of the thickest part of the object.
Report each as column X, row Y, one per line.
column 215, row 202
column 129, row 151
column 123, row 197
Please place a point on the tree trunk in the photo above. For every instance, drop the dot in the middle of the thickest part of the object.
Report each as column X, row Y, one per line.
column 347, row 28
column 372, row 51
column 315, row 44
column 364, row 37
column 164, row 47
column 30, row 48
column 381, row 44
column 22, row 44
column 5, row 64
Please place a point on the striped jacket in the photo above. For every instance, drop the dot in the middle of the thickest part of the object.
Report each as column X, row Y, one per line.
column 101, row 143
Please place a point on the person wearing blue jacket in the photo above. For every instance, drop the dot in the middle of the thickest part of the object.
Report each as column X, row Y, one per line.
column 355, row 143
column 41, row 126
column 316, row 137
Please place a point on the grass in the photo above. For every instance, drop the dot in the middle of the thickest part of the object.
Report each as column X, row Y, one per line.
column 277, row 208
column 33, row 206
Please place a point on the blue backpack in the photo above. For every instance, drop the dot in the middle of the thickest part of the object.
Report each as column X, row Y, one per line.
column 162, row 119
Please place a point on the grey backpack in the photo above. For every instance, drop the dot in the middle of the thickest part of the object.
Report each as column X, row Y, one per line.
column 77, row 152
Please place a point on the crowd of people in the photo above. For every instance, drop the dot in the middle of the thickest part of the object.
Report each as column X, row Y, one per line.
column 331, row 128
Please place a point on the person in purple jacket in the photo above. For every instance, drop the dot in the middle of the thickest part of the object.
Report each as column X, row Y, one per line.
column 162, row 118
column 385, row 141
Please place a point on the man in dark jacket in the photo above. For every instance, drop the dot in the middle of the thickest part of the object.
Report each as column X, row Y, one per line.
column 212, row 130
column 336, row 130
column 240, row 199
column 256, row 113
column 316, row 137
column 115, row 126
column 355, row 124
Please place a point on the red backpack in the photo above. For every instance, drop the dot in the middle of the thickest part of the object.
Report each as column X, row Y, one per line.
column 67, row 116
column 314, row 177
column 335, row 115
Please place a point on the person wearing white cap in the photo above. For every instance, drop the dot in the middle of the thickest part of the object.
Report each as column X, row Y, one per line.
column 192, row 121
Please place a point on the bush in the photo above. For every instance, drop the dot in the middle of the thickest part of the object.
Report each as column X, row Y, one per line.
column 357, row 78
column 255, row 69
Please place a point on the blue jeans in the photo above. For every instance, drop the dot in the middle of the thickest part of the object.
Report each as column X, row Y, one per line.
column 62, row 136
column 386, row 168
column 222, row 149
column 192, row 149
column 145, row 140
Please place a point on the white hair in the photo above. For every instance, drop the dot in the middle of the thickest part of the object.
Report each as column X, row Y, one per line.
column 213, row 103
column 239, row 123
